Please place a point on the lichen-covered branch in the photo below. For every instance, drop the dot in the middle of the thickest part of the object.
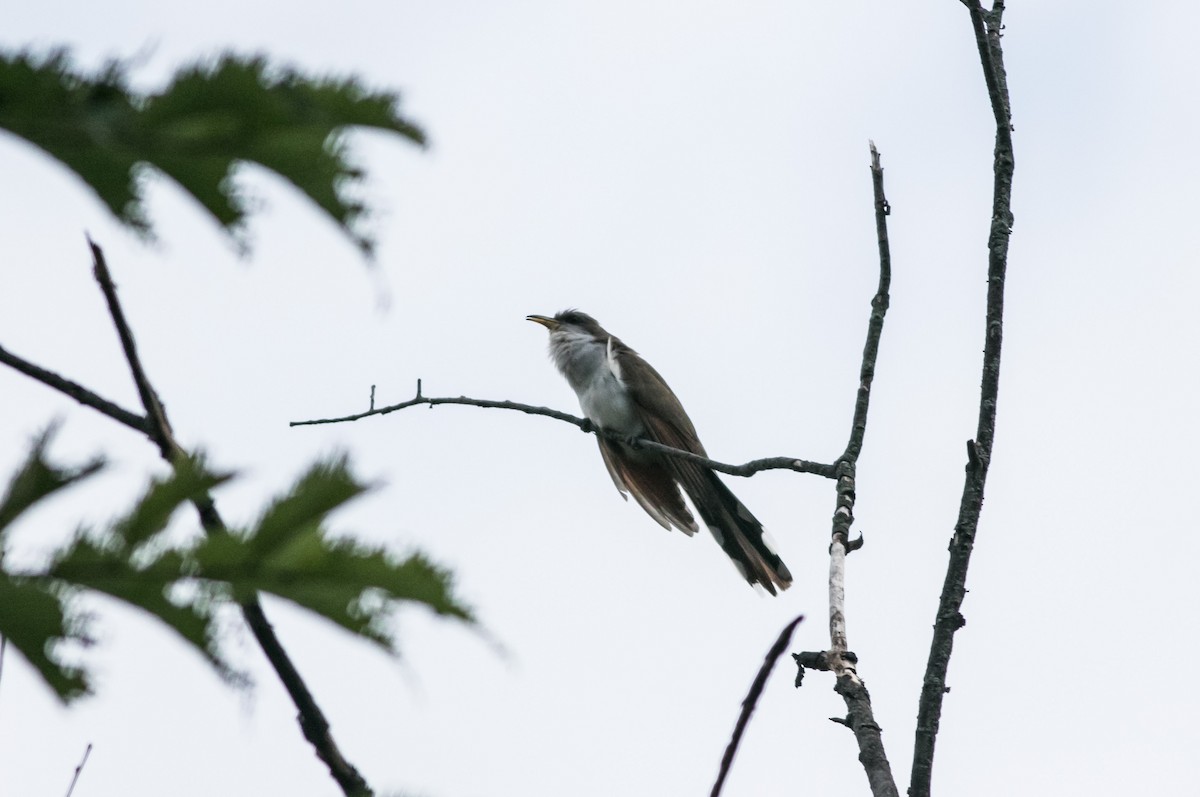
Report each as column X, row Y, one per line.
column 839, row 659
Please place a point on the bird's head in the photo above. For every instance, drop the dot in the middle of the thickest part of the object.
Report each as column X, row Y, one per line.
column 570, row 322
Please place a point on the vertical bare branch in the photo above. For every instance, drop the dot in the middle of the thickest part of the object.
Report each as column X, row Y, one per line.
column 861, row 720
column 859, row 716
column 879, row 308
column 312, row 720
column 839, row 659
column 987, row 27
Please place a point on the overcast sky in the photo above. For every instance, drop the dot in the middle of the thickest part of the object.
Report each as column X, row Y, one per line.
column 695, row 176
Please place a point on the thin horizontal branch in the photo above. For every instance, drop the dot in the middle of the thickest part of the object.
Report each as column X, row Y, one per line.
column 745, row 469
column 76, row 391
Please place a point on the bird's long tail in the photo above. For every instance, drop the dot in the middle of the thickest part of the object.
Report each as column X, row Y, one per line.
column 740, row 534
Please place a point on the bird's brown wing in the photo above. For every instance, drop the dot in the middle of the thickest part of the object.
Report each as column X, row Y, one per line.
column 650, row 482
column 658, row 407
column 738, row 532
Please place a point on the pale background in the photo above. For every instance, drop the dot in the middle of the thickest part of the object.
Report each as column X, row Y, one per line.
column 695, row 176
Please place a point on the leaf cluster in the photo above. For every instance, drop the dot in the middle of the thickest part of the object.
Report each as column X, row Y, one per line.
column 210, row 118
column 288, row 552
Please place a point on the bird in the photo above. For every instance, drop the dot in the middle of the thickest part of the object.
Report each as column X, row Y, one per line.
column 621, row 393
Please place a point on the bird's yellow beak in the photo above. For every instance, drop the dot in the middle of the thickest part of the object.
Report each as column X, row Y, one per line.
column 548, row 323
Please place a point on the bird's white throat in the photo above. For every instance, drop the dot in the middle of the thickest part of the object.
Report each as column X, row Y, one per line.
column 593, row 371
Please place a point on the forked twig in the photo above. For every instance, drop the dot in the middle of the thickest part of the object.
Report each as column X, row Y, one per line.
column 76, row 391
column 312, row 719
column 155, row 426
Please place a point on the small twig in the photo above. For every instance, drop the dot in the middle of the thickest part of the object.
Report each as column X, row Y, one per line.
column 843, row 516
column 756, row 689
column 160, row 430
column 312, row 720
column 745, row 469
column 879, row 308
column 810, row 660
column 986, row 26
column 87, row 751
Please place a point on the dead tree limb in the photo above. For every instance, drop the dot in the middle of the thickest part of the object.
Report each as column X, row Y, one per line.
column 839, row 659
column 987, row 26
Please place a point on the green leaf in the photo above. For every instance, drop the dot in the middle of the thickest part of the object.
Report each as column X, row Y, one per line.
column 33, row 620
column 210, row 118
column 38, row 479
column 109, row 569
column 326, row 486
column 354, row 586
column 188, row 481
column 89, row 123
column 288, row 554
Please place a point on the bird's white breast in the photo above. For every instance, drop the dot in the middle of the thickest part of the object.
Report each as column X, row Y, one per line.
column 592, row 370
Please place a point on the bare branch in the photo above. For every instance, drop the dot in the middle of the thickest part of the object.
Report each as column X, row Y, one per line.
column 312, row 720
column 839, row 646
column 160, row 430
column 843, row 516
column 745, row 469
column 839, row 659
column 756, row 688
column 987, row 26
column 75, row 779
column 843, row 663
column 879, row 308
column 76, row 391
column 861, row 720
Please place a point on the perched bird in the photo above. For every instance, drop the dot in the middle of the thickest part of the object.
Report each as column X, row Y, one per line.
column 619, row 392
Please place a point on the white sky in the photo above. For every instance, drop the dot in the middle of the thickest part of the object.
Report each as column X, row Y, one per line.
column 696, row 178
